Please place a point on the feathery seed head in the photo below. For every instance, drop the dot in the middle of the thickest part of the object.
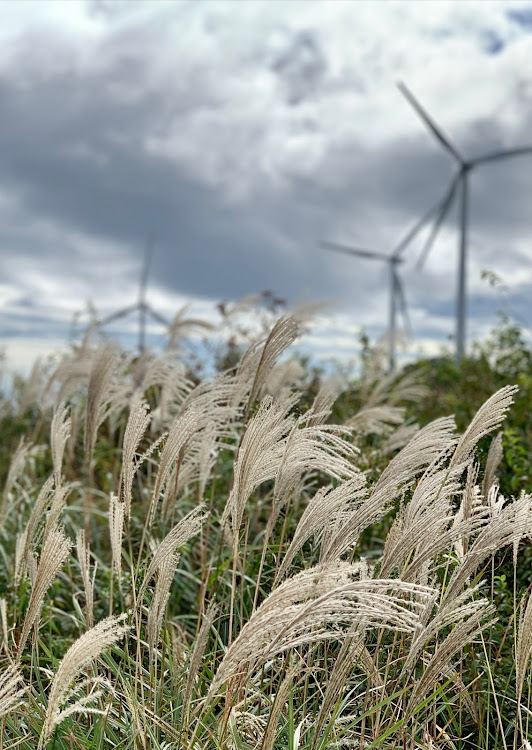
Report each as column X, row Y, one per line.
column 82, row 652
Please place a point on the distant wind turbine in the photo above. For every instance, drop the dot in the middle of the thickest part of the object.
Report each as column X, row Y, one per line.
column 144, row 309
column 460, row 181
column 397, row 295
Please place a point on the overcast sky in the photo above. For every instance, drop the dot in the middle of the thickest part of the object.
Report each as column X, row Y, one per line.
column 241, row 133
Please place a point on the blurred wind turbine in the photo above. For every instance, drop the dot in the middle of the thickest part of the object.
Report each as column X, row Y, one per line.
column 144, row 309
column 397, row 295
column 460, row 181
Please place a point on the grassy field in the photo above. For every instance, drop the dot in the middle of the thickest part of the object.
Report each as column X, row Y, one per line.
column 243, row 563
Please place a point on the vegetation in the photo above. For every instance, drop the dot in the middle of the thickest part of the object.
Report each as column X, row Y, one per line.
column 247, row 561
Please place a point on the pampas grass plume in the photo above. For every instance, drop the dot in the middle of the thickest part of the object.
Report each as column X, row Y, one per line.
column 82, row 652
column 54, row 552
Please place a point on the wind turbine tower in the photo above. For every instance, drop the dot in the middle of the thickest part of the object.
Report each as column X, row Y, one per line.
column 397, row 296
column 143, row 308
column 459, row 184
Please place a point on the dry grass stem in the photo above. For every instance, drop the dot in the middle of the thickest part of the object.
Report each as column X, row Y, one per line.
column 471, row 503
column 523, row 648
column 323, row 403
column 164, row 577
column 196, row 465
column 3, row 620
column 116, row 530
column 197, row 655
column 307, row 450
column 84, row 558
column 207, row 456
column 348, row 655
column 99, row 389
column 59, row 435
column 399, row 438
column 71, row 374
column 492, row 463
column 392, row 388
column 279, row 703
column 284, row 377
column 137, row 423
column 189, row 526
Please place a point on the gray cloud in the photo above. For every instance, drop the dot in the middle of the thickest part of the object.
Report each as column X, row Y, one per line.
column 106, row 151
column 301, row 66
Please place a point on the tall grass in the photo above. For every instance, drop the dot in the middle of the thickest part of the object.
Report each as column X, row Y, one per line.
column 218, row 565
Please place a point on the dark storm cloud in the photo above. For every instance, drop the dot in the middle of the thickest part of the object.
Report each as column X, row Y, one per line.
column 73, row 151
column 25, row 325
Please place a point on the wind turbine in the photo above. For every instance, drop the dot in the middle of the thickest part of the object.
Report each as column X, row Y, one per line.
column 144, row 309
column 397, row 295
column 460, row 181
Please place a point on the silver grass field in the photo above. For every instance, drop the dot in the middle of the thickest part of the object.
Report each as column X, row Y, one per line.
column 193, row 564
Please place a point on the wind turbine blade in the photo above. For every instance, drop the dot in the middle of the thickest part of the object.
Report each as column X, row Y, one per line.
column 418, row 226
column 444, row 210
column 120, row 314
column 506, row 154
column 429, row 122
column 155, row 315
column 401, row 298
column 348, row 250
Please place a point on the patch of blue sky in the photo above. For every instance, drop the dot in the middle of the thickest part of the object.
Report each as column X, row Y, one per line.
column 492, row 43
column 522, row 16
